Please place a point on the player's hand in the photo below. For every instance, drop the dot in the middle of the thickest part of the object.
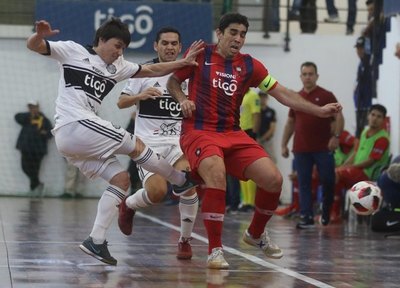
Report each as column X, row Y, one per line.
column 194, row 50
column 187, row 107
column 150, row 93
column 330, row 110
column 44, row 30
column 333, row 143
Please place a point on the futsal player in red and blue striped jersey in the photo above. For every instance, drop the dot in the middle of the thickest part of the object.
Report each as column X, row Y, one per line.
column 213, row 142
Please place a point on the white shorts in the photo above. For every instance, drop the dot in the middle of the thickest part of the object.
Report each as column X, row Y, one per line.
column 91, row 145
column 169, row 150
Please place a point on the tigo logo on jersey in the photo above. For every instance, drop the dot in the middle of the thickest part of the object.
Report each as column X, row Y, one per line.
column 98, row 86
column 170, row 105
column 229, row 84
column 228, row 87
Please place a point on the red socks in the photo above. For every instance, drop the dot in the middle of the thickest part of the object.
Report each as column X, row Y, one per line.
column 213, row 211
column 265, row 205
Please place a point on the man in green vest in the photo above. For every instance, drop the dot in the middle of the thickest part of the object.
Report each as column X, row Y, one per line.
column 370, row 156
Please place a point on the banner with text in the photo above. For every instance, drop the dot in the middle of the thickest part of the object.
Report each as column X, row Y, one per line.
column 79, row 20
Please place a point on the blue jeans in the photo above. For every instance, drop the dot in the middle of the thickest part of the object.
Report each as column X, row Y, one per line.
column 351, row 14
column 296, row 4
column 325, row 163
column 330, row 6
column 271, row 16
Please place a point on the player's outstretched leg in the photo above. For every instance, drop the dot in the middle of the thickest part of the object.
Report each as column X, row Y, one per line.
column 189, row 184
column 269, row 248
column 96, row 245
column 98, row 251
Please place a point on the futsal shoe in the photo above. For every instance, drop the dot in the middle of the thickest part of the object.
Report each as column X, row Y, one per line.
column 185, row 187
column 269, row 248
column 216, row 259
column 98, row 251
column 125, row 218
column 184, row 249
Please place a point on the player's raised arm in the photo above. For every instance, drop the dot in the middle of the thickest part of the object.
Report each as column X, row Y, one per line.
column 294, row 100
column 161, row 69
column 36, row 41
column 127, row 100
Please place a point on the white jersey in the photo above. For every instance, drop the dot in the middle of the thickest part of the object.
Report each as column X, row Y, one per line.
column 157, row 121
column 85, row 80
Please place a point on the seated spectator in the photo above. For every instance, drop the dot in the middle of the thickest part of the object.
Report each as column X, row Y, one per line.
column 387, row 219
column 371, row 154
column 346, row 146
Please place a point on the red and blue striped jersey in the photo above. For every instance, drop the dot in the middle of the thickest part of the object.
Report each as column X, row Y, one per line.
column 217, row 86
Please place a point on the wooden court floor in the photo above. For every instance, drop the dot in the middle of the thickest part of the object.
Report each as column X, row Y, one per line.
column 40, row 238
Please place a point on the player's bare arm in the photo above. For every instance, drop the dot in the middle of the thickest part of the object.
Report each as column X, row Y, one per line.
column 293, row 100
column 338, row 126
column 174, row 88
column 164, row 68
column 36, row 41
column 127, row 100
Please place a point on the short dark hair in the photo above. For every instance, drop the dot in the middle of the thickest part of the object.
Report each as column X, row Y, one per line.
column 168, row 29
column 309, row 64
column 113, row 28
column 230, row 18
column 379, row 108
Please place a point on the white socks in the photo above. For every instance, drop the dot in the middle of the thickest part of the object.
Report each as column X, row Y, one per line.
column 138, row 200
column 106, row 211
column 188, row 206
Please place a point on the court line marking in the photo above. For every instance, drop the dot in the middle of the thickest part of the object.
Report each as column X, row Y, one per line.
column 249, row 257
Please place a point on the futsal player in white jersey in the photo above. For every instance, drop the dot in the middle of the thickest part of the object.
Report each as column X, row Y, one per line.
column 158, row 124
column 87, row 75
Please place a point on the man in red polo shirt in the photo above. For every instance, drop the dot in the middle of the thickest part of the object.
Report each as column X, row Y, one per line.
column 315, row 140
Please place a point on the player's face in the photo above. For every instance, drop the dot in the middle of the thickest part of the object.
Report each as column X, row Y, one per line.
column 308, row 77
column 375, row 119
column 168, row 47
column 110, row 50
column 231, row 40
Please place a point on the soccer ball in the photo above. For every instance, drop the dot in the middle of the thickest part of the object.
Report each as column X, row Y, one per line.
column 365, row 198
